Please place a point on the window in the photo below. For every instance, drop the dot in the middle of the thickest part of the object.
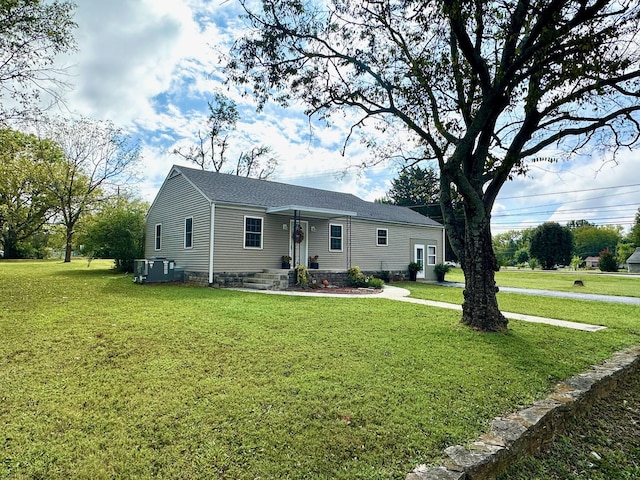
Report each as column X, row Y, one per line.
column 431, row 254
column 382, row 237
column 158, row 235
column 188, row 232
column 252, row 232
column 335, row 237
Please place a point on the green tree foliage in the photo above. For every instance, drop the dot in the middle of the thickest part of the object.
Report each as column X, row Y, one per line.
column 635, row 231
column 512, row 247
column 590, row 240
column 551, row 244
column 116, row 231
column 26, row 203
column 572, row 224
column 99, row 160
column 607, row 262
column 624, row 250
column 419, row 188
column 415, row 186
column 32, row 33
column 483, row 88
column 211, row 151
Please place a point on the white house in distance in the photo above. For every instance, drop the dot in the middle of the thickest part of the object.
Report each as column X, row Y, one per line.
column 222, row 229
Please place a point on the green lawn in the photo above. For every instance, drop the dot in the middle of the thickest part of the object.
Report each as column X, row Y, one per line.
column 102, row 378
column 562, row 280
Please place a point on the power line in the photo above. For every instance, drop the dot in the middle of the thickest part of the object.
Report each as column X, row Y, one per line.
column 584, row 209
column 571, row 191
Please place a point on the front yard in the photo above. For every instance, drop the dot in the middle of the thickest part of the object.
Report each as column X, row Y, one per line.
column 102, row 378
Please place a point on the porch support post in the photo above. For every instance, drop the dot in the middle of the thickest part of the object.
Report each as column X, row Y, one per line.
column 211, row 241
column 296, row 223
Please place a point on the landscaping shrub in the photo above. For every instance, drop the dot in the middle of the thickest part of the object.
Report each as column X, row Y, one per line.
column 607, row 262
column 358, row 279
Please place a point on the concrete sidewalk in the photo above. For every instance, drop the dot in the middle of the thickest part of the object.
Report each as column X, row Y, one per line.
column 402, row 294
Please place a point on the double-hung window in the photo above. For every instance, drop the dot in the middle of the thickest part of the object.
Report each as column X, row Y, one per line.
column 382, row 237
column 335, row 237
column 252, row 232
column 188, row 232
column 158, row 236
column 431, row 254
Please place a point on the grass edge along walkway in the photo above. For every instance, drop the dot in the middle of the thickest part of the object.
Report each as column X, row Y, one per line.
column 402, row 294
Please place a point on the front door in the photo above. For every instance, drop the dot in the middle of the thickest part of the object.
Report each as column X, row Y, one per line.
column 418, row 257
column 301, row 256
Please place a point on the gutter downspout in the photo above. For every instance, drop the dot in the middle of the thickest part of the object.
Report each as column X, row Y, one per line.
column 444, row 245
column 211, row 241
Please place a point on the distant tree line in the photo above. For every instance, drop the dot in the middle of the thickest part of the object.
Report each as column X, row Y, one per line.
column 546, row 245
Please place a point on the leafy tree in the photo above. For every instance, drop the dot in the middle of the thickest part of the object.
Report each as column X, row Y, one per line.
column 573, row 224
column 32, row 33
column 607, row 262
column 211, row 151
column 26, row 203
column 522, row 256
column 415, row 186
column 419, row 189
column 624, row 250
column 483, row 87
column 576, row 262
column 635, row 231
column 99, row 159
column 505, row 246
column 590, row 240
column 117, row 231
column 551, row 244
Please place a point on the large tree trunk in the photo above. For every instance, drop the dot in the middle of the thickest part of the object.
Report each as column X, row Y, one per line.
column 480, row 307
column 69, row 244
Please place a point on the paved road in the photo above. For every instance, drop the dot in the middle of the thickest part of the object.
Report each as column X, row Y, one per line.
column 557, row 294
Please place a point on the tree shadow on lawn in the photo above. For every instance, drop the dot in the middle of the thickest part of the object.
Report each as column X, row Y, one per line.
column 550, row 353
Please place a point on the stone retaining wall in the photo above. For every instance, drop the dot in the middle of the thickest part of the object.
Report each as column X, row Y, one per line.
column 222, row 279
column 528, row 431
column 338, row 278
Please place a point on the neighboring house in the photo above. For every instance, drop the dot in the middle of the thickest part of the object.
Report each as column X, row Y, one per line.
column 222, row 228
column 633, row 262
column 592, row 262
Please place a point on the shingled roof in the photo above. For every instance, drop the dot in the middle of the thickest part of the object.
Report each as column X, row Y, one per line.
column 635, row 256
column 236, row 190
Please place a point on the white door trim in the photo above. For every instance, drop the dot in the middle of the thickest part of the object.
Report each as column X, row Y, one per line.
column 419, row 257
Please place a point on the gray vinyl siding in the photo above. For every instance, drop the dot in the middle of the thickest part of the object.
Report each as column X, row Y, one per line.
column 319, row 244
column 230, row 254
column 370, row 256
column 177, row 200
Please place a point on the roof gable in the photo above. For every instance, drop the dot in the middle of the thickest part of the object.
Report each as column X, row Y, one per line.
column 635, row 256
column 237, row 190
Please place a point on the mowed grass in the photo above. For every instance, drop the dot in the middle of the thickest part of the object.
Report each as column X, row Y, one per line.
column 562, row 280
column 102, row 378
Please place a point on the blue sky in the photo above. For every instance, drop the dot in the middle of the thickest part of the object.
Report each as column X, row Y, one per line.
column 151, row 67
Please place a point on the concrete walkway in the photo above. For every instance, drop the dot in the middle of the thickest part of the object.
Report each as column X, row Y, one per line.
column 558, row 294
column 402, row 294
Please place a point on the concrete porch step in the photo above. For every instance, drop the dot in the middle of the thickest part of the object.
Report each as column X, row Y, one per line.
column 269, row 279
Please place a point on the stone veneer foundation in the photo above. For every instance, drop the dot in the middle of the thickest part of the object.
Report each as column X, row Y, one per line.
column 528, row 431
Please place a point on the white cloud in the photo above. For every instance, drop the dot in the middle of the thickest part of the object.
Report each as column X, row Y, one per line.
column 150, row 67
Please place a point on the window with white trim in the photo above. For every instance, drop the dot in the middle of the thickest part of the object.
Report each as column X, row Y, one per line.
column 335, row 237
column 158, row 236
column 252, row 232
column 431, row 254
column 382, row 237
column 188, row 232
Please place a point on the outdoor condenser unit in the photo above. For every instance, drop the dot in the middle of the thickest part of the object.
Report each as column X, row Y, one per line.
column 154, row 270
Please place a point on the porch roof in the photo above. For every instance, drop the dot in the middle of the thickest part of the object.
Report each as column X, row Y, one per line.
column 316, row 212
